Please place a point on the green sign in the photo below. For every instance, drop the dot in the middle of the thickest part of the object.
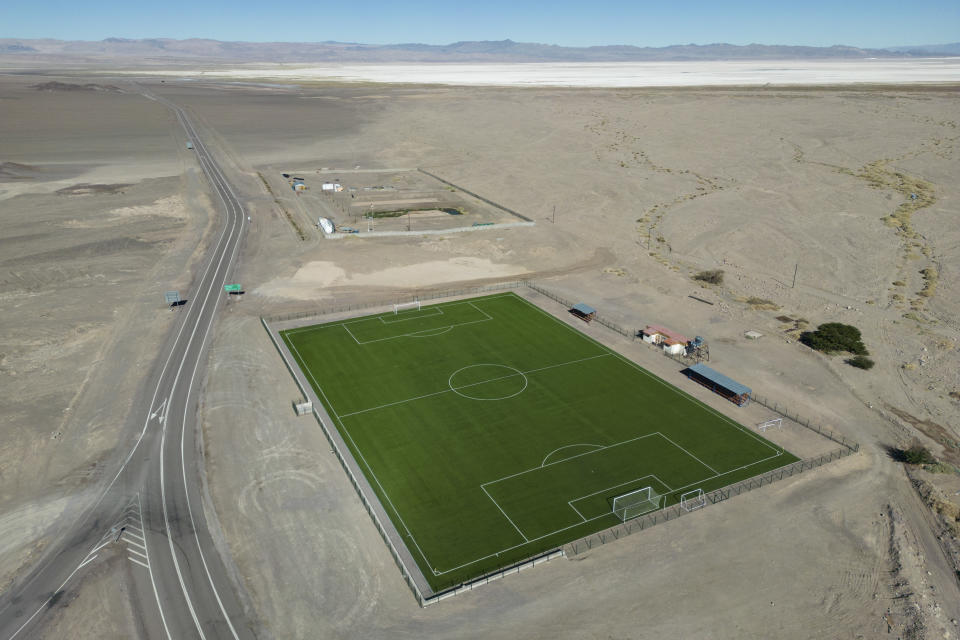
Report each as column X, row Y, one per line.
column 233, row 287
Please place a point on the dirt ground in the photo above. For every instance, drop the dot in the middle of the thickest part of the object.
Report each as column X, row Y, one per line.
column 101, row 209
column 650, row 186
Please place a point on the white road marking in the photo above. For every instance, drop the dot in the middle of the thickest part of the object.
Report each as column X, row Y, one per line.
column 132, row 559
column 135, row 544
column 88, row 560
column 143, row 555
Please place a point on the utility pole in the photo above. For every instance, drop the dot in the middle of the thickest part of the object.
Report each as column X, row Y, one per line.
column 795, row 269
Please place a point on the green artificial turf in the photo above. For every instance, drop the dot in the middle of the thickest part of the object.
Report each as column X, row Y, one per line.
column 492, row 431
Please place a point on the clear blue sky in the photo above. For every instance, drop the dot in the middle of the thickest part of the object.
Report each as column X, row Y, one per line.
column 874, row 23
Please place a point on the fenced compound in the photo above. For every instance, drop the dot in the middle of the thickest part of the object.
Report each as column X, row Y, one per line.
column 395, row 543
column 478, row 197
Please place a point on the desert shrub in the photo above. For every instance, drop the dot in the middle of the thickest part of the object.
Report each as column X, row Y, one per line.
column 860, row 362
column 762, row 304
column 918, row 454
column 835, row 336
column 713, row 276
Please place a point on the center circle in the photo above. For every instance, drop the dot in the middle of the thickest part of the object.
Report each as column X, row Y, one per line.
column 487, row 382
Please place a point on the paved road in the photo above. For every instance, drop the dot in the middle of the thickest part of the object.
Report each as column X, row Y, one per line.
column 150, row 508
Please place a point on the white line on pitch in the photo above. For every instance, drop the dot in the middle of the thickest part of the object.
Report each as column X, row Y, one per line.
column 505, row 514
column 687, row 452
column 473, row 384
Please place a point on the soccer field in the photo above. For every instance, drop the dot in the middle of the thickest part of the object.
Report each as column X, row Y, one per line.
column 492, row 431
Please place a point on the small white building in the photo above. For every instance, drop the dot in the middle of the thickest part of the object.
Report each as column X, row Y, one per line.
column 672, row 342
column 336, row 187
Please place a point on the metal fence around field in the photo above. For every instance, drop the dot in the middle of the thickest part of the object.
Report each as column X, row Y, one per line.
column 420, row 295
column 714, row 497
column 583, row 544
column 613, row 326
column 776, row 407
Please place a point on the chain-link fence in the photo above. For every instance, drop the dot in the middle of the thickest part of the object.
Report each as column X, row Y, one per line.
column 478, row 197
column 711, row 498
column 613, row 326
column 776, row 407
column 420, row 295
column 583, row 544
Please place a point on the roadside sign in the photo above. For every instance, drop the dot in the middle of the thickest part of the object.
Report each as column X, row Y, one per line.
column 172, row 297
column 233, row 287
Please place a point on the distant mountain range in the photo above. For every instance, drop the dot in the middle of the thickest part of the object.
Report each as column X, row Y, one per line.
column 164, row 50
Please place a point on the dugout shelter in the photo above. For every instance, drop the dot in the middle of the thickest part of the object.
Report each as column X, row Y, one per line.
column 720, row 384
column 584, row 311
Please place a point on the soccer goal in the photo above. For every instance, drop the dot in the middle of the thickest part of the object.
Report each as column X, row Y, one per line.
column 403, row 306
column 768, row 424
column 693, row 500
column 636, row 503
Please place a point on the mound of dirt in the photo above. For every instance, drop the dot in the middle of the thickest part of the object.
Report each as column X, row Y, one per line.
column 67, row 86
column 84, row 189
column 17, row 171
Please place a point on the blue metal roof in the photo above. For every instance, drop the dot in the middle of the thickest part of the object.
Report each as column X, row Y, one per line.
column 719, row 379
column 585, row 309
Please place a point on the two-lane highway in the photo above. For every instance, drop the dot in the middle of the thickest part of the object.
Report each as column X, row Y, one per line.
column 153, row 504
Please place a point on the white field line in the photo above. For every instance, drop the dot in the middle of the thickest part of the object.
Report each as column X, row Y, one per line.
column 474, row 384
column 579, row 455
column 635, row 480
column 357, row 449
column 586, row 520
column 438, row 312
column 688, row 453
column 370, row 318
column 567, row 446
column 509, row 519
column 607, row 352
column 429, row 333
column 145, row 566
column 351, row 334
column 673, row 389
column 414, row 334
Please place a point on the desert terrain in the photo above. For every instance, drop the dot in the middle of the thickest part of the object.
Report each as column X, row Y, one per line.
column 853, row 189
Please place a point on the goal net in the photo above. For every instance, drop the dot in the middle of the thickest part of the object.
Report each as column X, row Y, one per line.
column 403, row 306
column 636, row 503
column 693, row 500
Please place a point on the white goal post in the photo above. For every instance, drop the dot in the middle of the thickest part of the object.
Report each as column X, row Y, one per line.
column 636, row 503
column 772, row 422
column 693, row 500
column 397, row 308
